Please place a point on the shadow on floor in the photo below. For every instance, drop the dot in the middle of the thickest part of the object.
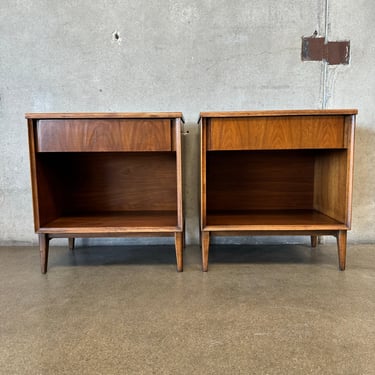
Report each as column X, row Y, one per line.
column 112, row 255
column 266, row 254
column 165, row 255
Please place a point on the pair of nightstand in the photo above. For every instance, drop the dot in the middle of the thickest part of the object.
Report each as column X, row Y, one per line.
column 262, row 173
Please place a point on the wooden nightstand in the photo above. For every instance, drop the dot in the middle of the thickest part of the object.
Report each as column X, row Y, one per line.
column 106, row 175
column 277, row 173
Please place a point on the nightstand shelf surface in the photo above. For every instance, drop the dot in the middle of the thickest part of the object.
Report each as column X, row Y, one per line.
column 107, row 222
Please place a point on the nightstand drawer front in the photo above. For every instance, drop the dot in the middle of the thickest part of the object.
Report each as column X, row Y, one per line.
column 293, row 132
column 96, row 135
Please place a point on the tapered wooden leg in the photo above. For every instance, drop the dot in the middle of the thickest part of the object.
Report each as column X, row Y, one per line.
column 71, row 243
column 178, row 240
column 205, row 247
column 341, row 248
column 43, row 247
column 314, row 241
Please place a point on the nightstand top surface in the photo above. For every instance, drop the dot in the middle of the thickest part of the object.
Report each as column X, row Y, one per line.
column 106, row 115
column 299, row 112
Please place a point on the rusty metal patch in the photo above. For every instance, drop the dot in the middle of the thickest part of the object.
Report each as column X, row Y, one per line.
column 335, row 53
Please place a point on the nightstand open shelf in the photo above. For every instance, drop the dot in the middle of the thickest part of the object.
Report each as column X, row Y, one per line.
column 276, row 173
column 122, row 221
column 265, row 220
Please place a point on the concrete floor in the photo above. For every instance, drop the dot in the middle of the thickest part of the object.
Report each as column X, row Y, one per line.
column 125, row 310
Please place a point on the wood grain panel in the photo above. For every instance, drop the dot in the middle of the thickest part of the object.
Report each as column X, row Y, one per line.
column 203, row 172
column 239, row 180
column 106, row 115
column 331, row 184
column 295, row 132
column 121, row 182
column 98, row 135
column 50, row 179
column 33, row 172
column 177, row 146
column 112, row 222
column 270, row 220
column 278, row 113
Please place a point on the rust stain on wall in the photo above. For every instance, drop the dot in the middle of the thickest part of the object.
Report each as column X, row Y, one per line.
column 335, row 53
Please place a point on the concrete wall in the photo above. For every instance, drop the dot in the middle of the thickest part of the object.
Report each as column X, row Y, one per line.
column 177, row 55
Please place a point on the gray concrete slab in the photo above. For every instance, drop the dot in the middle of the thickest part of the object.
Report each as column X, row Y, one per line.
column 125, row 310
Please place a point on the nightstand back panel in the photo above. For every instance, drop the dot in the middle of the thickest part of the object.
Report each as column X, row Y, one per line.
column 259, row 180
